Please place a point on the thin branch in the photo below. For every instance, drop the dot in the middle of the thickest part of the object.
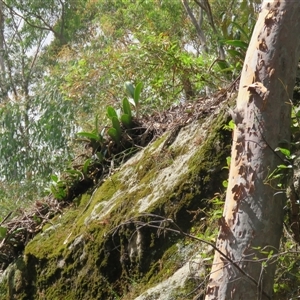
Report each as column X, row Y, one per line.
column 7, row 216
column 26, row 20
column 206, row 7
column 195, row 23
column 33, row 62
column 47, row 26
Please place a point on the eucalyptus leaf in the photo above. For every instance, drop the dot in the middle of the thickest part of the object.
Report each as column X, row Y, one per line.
column 241, row 29
column 236, row 43
column 235, row 53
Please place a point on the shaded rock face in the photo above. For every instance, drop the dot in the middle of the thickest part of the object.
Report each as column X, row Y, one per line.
column 120, row 242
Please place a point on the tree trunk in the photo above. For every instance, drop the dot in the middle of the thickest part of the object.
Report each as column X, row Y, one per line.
column 3, row 83
column 251, row 225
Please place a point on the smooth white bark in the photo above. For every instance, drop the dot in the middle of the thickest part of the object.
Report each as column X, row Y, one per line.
column 253, row 213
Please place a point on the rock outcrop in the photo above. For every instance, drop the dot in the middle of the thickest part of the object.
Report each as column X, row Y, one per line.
column 124, row 238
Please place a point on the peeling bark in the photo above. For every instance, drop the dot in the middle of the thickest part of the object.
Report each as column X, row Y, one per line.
column 253, row 213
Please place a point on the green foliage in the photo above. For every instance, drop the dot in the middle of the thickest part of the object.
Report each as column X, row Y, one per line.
column 115, row 131
column 111, row 112
column 210, row 222
column 134, row 93
column 236, row 23
column 126, row 120
column 295, row 124
column 85, row 167
column 90, row 135
column 126, row 107
column 237, row 53
column 101, row 145
column 129, row 89
column 282, row 171
column 230, row 126
column 95, row 141
column 49, row 93
column 40, row 146
column 116, row 125
column 58, row 187
column 287, row 272
column 81, row 72
column 144, row 47
column 37, row 124
column 3, row 232
column 286, row 153
column 228, row 161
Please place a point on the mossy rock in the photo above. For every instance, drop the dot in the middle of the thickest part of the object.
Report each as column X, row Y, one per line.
column 116, row 243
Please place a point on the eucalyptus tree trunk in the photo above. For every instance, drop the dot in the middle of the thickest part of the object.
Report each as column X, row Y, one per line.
column 251, row 226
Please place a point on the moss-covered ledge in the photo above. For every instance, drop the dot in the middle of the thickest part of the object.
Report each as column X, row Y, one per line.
column 97, row 251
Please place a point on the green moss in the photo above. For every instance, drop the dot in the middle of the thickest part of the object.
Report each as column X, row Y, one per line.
column 44, row 253
column 146, row 169
column 50, row 244
column 165, row 267
column 83, row 199
column 158, row 142
column 107, row 189
column 154, row 161
column 4, row 288
column 178, row 151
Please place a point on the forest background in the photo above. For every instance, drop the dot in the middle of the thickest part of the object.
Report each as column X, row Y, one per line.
column 63, row 62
